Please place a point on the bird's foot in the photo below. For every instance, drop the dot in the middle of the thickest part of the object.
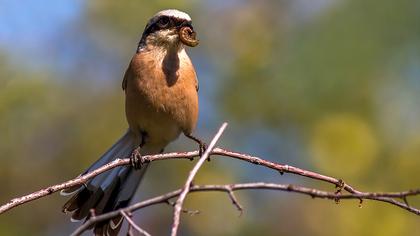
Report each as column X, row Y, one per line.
column 136, row 159
column 202, row 146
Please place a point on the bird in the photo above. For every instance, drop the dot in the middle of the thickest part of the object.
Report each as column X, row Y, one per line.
column 161, row 102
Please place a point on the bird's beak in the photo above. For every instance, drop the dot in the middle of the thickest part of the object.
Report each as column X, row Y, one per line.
column 187, row 35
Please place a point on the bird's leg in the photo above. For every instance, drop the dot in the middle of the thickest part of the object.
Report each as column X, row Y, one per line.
column 136, row 159
column 202, row 145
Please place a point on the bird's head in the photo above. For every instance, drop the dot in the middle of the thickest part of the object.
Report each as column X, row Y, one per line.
column 169, row 29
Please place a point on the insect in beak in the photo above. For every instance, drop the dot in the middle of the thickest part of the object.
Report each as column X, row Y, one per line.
column 188, row 36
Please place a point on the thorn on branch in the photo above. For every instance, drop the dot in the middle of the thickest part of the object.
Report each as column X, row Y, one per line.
column 360, row 202
column 256, row 161
column 187, row 211
column 50, row 190
column 235, row 201
column 339, row 186
column 337, row 198
column 313, row 194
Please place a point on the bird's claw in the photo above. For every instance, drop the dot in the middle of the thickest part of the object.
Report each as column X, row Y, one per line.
column 202, row 146
column 136, row 159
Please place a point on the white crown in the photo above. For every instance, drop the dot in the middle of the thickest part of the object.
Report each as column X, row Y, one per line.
column 173, row 13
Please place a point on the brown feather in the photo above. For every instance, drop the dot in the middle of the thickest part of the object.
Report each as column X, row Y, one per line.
column 161, row 95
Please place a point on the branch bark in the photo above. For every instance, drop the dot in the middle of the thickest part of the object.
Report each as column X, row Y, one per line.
column 230, row 188
column 398, row 199
column 133, row 224
column 220, row 152
column 190, row 178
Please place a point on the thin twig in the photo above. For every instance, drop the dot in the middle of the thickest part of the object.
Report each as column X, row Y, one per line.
column 179, row 202
column 235, row 201
column 152, row 201
column 52, row 189
column 388, row 197
column 313, row 193
column 133, row 224
column 84, row 178
column 186, row 211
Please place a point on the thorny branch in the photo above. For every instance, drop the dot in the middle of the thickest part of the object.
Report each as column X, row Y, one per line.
column 230, row 188
column 398, row 199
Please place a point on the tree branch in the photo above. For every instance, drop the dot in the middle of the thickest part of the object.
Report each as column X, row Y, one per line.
column 190, row 178
column 398, row 199
column 230, row 188
column 134, row 225
column 190, row 155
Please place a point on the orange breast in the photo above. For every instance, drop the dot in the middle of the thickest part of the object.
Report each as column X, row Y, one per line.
column 161, row 95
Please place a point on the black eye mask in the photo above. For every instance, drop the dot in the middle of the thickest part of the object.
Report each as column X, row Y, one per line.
column 165, row 22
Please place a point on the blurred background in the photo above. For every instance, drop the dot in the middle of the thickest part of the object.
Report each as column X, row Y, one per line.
column 328, row 85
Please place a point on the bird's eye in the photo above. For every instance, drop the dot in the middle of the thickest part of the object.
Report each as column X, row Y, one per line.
column 163, row 21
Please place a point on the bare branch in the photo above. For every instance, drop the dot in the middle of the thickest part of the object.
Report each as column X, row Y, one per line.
column 313, row 193
column 84, row 178
column 235, row 201
column 188, row 155
column 134, row 225
column 398, row 199
column 52, row 189
column 187, row 211
column 188, row 182
column 152, row 201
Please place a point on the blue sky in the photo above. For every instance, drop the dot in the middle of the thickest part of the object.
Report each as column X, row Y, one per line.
column 28, row 23
column 30, row 26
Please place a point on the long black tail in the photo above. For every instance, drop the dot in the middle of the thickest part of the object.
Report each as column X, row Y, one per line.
column 108, row 191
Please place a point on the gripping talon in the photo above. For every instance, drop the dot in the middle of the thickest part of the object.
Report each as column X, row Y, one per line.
column 203, row 148
column 136, row 160
column 201, row 145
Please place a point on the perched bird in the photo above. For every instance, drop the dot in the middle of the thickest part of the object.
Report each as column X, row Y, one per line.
column 161, row 102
